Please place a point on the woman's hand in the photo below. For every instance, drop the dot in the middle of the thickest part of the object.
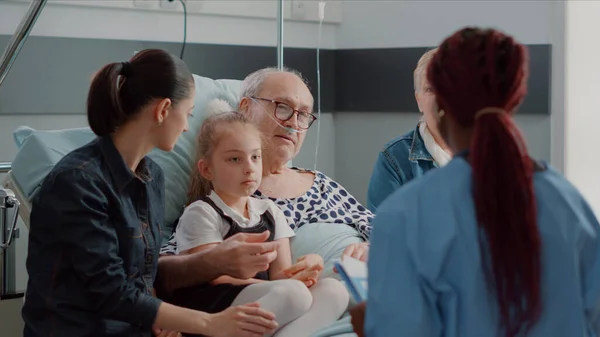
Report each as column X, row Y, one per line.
column 358, row 318
column 307, row 269
column 241, row 321
column 165, row 333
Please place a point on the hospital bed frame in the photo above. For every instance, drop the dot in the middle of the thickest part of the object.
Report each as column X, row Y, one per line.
column 9, row 211
column 13, row 201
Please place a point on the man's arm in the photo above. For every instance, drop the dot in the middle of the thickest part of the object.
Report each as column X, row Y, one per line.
column 181, row 271
column 240, row 256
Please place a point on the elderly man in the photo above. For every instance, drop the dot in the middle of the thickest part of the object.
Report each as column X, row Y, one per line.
column 280, row 103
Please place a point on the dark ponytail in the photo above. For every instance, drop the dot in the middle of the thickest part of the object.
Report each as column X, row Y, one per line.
column 120, row 90
column 479, row 78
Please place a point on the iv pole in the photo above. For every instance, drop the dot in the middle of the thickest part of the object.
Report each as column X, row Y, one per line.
column 280, row 42
column 280, row 35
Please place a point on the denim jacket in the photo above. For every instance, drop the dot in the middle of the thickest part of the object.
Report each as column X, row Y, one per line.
column 400, row 161
column 93, row 246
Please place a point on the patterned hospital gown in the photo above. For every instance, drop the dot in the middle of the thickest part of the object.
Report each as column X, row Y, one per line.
column 326, row 202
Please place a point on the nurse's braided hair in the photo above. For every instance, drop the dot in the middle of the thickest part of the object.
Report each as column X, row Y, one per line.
column 479, row 78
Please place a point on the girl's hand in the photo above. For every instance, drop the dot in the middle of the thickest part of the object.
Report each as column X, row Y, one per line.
column 307, row 269
column 241, row 321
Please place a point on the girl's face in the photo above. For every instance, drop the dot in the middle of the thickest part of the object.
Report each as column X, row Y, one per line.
column 235, row 166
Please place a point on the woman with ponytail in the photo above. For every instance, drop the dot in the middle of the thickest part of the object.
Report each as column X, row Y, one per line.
column 511, row 247
column 94, row 238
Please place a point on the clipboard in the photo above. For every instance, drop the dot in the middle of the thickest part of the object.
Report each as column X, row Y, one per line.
column 354, row 274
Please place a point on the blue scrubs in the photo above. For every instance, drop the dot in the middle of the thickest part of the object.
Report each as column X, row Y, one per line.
column 425, row 273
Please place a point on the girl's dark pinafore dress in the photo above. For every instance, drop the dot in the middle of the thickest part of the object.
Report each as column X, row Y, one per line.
column 213, row 298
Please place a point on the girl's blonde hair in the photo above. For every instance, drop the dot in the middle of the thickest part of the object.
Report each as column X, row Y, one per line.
column 207, row 141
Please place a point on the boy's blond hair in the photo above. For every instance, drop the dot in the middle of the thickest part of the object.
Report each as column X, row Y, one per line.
column 421, row 68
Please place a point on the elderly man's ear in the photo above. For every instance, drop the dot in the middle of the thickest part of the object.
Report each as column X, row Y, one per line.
column 244, row 106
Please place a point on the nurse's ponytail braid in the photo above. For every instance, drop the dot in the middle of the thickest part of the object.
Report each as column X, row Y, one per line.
column 479, row 78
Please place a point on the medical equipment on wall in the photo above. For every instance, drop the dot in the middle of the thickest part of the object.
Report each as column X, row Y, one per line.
column 321, row 18
column 185, row 14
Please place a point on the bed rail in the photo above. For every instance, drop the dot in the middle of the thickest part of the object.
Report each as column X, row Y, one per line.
column 9, row 211
column 18, row 40
column 5, row 167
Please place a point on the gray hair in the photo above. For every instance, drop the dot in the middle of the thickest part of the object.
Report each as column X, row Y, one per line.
column 252, row 84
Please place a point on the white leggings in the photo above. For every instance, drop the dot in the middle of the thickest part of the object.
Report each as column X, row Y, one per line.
column 299, row 311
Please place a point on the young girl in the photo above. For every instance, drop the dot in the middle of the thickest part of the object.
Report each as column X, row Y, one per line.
column 230, row 166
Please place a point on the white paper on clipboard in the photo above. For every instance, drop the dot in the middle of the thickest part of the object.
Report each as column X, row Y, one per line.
column 354, row 274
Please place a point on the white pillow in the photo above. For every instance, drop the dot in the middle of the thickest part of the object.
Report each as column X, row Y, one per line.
column 40, row 150
column 178, row 163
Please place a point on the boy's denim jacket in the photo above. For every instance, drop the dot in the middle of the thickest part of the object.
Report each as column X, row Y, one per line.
column 400, row 161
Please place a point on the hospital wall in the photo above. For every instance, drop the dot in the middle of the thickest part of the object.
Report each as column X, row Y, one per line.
column 366, row 65
column 47, row 86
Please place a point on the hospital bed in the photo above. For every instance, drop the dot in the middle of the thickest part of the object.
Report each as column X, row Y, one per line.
column 39, row 150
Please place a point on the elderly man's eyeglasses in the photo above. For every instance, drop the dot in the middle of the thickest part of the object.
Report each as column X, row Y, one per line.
column 284, row 112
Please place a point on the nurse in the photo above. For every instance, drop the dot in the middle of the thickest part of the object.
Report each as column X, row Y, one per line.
column 511, row 246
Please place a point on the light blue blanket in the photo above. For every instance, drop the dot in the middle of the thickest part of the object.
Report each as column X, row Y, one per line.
column 341, row 328
column 328, row 240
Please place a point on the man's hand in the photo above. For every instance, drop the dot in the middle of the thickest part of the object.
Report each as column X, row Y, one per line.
column 240, row 256
column 358, row 318
column 244, row 255
column 359, row 251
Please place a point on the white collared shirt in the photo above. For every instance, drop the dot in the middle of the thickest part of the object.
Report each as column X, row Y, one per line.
column 440, row 156
column 200, row 223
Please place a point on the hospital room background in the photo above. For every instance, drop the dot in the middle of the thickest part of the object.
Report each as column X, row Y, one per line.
column 368, row 51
